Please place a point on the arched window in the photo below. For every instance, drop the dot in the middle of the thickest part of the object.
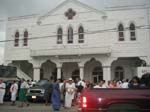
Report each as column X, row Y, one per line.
column 16, row 43
column 59, row 36
column 25, row 38
column 97, row 74
column 81, row 34
column 119, row 73
column 121, row 32
column 70, row 35
column 132, row 32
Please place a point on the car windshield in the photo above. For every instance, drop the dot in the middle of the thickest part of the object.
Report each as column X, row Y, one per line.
column 41, row 82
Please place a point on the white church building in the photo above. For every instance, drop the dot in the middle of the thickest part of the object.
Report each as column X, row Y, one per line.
column 76, row 40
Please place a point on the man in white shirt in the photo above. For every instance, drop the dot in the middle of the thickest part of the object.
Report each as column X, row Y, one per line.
column 82, row 83
column 14, row 90
column 2, row 91
column 125, row 83
column 101, row 84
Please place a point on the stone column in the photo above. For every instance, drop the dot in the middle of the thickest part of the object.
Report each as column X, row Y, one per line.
column 106, row 73
column 58, row 72
column 81, row 68
column 36, row 74
column 59, row 67
column 81, row 73
column 148, row 62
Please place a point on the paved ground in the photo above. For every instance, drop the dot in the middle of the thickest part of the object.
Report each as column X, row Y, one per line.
column 34, row 107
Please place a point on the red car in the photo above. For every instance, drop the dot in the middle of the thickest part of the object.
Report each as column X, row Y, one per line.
column 115, row 100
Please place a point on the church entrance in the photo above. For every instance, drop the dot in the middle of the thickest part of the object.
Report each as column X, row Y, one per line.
column 126, row 68
column 48, row 70
column 70, row 70
column 75, row 74
column 97, row 74
column 93, row 71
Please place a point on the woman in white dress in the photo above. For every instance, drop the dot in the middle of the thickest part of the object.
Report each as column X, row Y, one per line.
column 70, row 91
column 2, row 91
column 14, row 90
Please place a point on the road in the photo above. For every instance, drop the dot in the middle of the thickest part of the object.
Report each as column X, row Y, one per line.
column 34, row 107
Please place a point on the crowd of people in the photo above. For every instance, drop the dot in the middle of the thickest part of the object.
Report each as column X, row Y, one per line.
column 16, row 89
column 66, row 93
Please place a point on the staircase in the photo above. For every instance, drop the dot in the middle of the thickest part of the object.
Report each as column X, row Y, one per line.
column 21, row 74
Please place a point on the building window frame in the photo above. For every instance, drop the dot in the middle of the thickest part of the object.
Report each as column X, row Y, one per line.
column 132, row 32
column 25, row 38
column 119, row 72
column 59, row 35
column 16, row 41
column 121, row 32
column 70, row 35
column 81, row 34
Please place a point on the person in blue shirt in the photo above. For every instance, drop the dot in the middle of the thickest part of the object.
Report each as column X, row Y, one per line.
column 55, row 98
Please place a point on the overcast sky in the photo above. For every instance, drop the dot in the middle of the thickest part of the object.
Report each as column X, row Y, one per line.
column 26, row 7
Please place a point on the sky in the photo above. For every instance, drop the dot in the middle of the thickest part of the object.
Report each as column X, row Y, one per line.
column 9, row 8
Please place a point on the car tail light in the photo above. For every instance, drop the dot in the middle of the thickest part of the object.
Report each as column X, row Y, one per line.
column 84, row 102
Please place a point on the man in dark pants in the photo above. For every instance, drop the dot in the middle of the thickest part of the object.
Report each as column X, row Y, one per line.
column 48, row 91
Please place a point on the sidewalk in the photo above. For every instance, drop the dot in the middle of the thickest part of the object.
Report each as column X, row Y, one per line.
column 34, row 107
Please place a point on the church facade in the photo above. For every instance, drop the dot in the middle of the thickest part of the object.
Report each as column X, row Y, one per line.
column 78, row 41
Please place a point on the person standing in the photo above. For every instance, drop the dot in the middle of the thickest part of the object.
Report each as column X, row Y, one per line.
column 101, row 84
column 63, row 92
column 56, row 103
column 70, row 91
column 88, row 85
column 48, row 91
column 61, row 88
column 135, row 83
column 14, row 90
column 115, row 84
column 81, row 83
column 22, row 93
column 125, row 83
column 2, row 91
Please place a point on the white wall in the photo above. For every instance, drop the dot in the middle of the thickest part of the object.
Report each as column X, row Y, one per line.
column 92, row 21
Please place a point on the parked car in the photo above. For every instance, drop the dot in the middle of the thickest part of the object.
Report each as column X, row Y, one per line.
column 36, row 93
column 115, row 100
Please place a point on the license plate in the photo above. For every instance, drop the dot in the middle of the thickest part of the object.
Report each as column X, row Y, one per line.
column 33, row 97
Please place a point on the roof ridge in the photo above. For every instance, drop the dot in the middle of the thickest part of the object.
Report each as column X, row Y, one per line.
column 63, row 3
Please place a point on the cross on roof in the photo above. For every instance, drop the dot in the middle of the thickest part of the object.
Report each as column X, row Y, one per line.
column 70, row 13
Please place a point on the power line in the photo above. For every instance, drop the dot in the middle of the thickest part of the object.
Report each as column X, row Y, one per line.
column 142, row 27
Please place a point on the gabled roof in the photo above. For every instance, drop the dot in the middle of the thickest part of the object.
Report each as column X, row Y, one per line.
column 72, row 1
